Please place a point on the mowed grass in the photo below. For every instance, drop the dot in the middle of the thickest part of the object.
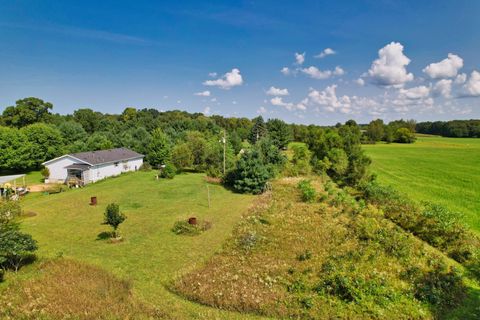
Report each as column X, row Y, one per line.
column 151, row 255
column 437, row 169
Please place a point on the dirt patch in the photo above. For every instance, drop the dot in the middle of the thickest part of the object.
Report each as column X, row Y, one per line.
column 39, row 187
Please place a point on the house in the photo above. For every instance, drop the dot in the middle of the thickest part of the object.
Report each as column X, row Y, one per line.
column 86, row 167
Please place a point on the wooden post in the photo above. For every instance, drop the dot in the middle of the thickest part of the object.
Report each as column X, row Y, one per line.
column 208, row 195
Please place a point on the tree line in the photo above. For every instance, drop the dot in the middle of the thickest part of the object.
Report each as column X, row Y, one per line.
column 454, row 128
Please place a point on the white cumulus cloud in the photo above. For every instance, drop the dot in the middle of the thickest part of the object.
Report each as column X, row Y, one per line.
column 277, row 92
column 278, row 101
column 472, row 86
column 206, row 110
column 286, row 71
column 227, row 81
column 415, row 93
column 461, row 78
column 360, row 82
column 444, row 88
column 262, row 110
column 299, row 58
column 205, row 93
column 390, row 67
column 328, row 100
column 316, row 73
column 447, row 68
column 325, row 52
column 338, row 71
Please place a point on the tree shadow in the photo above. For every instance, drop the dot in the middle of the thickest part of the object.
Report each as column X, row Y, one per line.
column 104, row 235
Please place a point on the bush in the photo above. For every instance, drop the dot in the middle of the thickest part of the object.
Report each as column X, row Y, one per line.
column 441, row 286
column 308, row 192
column 185, row 228
column 114, row 217
column 9, row 210
column 432, row 223
column 306, row 255
column 404, row 135
column 248, row 240
column 15, row 247
column 168, row 172
column 146, row 167
column 56, row 188
column 45, row 172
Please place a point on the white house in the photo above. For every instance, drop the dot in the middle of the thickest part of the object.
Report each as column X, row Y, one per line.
column 86, row 167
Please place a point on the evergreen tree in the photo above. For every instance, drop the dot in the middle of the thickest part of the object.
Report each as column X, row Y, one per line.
column 259, row 130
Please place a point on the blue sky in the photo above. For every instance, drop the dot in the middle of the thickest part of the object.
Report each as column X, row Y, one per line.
column 387, row 59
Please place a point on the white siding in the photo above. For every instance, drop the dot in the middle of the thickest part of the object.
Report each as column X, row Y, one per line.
column 106, row 170
column 58, row 173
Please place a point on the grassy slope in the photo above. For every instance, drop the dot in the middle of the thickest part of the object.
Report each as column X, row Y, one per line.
column 442, row 170
column 151, row 254
column 271, row 279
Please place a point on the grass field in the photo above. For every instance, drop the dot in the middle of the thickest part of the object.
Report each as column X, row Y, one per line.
column 442, row 170
column 151, row 255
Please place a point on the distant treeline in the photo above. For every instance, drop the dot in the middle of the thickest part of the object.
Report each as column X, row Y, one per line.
column 454, row 128
column 400, row 131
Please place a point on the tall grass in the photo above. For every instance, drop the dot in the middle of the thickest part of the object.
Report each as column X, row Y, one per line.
column 335, row 258
column 67, row 289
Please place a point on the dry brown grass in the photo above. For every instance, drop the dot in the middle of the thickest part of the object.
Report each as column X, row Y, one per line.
column 67, row 289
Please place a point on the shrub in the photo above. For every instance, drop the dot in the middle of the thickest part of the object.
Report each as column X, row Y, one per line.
column 440, row 227
column 301, row 159
column 214, row 172
column 248, row 240
column 114, row 217
column 306, row 255
column 185, row 228
column 168, row 172
column 441, row 286
column 432, row 223
column 15, row 247
column 45, row 172
column 404, row 135
column 145, row 167
column 8, row 211
column 308, row 192
column 56, row 188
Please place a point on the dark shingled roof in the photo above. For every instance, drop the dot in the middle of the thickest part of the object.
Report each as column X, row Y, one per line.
column 103, row 156
column 78, row 166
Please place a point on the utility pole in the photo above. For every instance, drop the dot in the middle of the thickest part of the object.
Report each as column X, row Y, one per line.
column 224, row 140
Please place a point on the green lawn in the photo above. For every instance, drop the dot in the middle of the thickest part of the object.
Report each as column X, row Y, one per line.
column 442, row 170
column 151, row 255
column 31, row 178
